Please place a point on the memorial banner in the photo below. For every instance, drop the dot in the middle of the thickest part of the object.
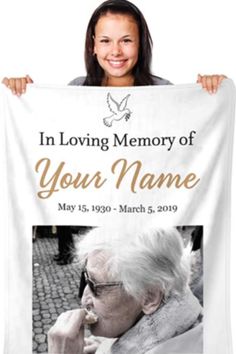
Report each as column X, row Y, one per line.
column 141, row 175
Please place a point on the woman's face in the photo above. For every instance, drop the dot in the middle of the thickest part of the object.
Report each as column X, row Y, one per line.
column 116, row 45
column 116, row 310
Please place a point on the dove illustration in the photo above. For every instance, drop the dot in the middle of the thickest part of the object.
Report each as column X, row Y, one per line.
column 118, row 110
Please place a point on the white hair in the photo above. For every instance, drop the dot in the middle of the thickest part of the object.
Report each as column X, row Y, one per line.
column 143, row 260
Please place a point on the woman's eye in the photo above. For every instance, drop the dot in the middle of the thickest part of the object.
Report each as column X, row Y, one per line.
column 127, row 40
column 104, row 41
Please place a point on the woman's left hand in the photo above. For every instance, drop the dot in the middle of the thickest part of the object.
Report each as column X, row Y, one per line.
column 91, row 344
column 210, row 83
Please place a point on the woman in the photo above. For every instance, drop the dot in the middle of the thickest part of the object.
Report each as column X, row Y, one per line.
column 137, row 286
column 118, row 52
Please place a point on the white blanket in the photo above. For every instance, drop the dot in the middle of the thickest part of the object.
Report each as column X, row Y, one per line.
column 89, row 156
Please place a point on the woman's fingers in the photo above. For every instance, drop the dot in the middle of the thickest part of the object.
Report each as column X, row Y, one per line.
column 28, row 79
column 215, row 83
column 17, row 84
column 5, row 81
column 210, row 83
column 20, row 86
column 221, row 78
column 91, row 344
column 67, row 334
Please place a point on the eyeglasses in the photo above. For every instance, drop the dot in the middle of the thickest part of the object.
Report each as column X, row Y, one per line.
column 95, row 287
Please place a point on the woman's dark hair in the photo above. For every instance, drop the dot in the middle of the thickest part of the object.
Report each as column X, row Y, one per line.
column 141, row 71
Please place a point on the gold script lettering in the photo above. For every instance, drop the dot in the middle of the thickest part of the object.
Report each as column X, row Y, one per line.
column 57, row 179
column 124, row 171
column 150, row 180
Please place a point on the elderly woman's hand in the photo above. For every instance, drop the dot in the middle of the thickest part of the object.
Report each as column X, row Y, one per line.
column 17, row 84
column 91, row 344
column 67, row 334
column 210, row 83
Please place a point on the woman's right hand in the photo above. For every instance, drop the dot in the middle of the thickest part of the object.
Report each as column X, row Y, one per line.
column 67, row 334
column 17, row 84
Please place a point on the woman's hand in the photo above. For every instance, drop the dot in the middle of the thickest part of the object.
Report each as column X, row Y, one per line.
column 17, row 84
column 91, row 344
column 67, row 334
column 210, row 83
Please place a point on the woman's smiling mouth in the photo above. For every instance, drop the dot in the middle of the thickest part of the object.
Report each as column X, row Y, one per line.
column 117, row 63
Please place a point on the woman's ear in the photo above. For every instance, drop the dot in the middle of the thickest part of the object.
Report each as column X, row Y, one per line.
column 151, row 301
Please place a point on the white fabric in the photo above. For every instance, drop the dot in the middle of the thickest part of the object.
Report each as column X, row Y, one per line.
column 170, row 114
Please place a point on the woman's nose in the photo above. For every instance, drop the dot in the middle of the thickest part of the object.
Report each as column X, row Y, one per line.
column 116, row 49
column 87, row 299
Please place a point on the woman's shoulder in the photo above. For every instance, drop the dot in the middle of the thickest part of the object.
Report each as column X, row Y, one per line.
column 78, row 81
column 157, row 80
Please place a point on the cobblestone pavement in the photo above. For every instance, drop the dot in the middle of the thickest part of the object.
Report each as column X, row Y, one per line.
column 55, row 289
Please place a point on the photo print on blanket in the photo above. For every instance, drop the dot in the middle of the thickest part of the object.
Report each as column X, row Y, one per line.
column 59, row 282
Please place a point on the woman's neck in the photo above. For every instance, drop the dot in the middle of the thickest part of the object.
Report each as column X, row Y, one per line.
column 118, row 81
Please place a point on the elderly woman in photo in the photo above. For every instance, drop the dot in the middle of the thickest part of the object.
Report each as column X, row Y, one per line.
column 137, row 289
